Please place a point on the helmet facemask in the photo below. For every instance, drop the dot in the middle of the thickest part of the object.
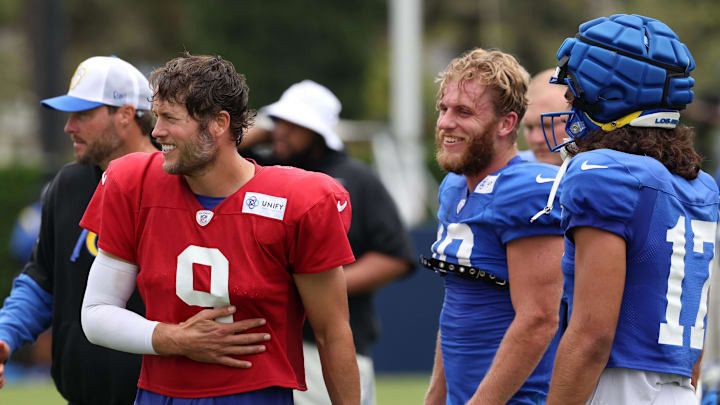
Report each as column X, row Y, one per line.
column 622, row 70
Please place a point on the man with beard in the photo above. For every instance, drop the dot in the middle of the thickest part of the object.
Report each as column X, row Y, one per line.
column 303, row 135
column 198, row 226
column 543, row 97
column 48, row 290
column 108, row 102
column 502, row 270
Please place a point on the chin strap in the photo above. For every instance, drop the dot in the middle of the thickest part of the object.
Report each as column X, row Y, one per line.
column 556, row 184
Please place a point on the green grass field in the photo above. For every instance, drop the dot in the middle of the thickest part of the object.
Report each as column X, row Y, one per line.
column 391, row 390
column 401, row 389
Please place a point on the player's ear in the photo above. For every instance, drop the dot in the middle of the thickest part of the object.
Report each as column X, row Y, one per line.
column 220, row 123
column 507, row 123
column 125, row 115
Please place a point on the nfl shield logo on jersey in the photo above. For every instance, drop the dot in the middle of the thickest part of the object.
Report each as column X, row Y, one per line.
column 203, row 217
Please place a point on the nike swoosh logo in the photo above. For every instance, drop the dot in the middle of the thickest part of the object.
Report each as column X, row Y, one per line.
column 586, row 166
column 104, row 177
column 342, row 206
column 541, row 179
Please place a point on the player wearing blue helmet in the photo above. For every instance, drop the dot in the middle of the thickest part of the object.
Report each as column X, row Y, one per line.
column 639, row 218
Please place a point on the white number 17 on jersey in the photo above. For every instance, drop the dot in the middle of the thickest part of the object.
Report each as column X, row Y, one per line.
column 671, row 332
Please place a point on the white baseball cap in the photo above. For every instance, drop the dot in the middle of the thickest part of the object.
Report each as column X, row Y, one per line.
column 103, row 80
column 312, row 106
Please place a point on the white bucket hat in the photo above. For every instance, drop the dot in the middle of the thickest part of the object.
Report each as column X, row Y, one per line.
column 312, row 106
column 104, row 80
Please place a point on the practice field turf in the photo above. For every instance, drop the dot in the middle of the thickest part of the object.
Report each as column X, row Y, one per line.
column 31, row 393
column 391, row 390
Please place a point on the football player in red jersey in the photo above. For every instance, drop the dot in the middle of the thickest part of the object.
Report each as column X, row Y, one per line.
column 198, row 226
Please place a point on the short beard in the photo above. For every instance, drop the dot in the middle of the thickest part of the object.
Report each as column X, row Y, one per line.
column 195, row 156
column 101, row 149
column 307, row 158
column 476, row 158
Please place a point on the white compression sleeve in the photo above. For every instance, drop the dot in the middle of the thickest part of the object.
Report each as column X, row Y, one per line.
column 104, row 318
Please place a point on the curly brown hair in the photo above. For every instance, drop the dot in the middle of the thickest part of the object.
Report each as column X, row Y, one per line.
column 206, row 85
column 671, row 147
column 496, row 70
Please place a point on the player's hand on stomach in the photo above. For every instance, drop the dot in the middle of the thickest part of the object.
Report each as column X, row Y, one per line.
column 203, row 339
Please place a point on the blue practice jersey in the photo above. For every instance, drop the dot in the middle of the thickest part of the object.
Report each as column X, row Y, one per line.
column 473, row 230
column 668, row 224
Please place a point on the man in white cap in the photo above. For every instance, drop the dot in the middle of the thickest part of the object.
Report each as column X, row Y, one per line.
column 109, row 102
column 303, row 135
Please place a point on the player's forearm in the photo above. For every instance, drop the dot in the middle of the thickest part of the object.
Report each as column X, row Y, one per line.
column 437, row 391
column 580, row 360
column 165, row 340
column 696, row 370
column 26, row 313
column 324, row 297
column 373, row 270
column 254, row 136
column 339, row 364
column 520, row 351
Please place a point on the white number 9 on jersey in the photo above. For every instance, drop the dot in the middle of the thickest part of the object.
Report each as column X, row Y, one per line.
column 219, row 276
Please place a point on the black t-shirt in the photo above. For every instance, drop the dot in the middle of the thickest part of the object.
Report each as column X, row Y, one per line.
column 375, row 227
column 60, row 262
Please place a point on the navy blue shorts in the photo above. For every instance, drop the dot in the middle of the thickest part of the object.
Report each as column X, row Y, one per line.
column 271, row 395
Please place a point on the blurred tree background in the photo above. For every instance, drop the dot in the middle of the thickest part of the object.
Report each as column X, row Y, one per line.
column 342, row 44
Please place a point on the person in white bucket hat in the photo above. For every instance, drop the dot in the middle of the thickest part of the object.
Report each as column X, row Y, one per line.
column 309, row 105
column 303, row 134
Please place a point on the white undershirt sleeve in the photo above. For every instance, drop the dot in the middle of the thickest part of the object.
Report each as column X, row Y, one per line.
column 104, row 318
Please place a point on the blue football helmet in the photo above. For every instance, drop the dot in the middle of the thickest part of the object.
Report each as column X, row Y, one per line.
column 621, row 70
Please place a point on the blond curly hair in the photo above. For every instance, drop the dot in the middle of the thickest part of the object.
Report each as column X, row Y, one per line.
column 496, row 70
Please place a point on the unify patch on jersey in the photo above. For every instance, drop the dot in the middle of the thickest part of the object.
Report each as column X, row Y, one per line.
column 264, row 205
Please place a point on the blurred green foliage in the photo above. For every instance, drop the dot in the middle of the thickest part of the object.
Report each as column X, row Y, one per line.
column 20, row 186
column 343, row 45
column 273, row 43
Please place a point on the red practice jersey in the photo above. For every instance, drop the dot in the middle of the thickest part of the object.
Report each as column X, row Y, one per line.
column 244, row 252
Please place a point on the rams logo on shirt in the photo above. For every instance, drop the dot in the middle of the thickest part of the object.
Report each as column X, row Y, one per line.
column 88, row 240
column 91, row 243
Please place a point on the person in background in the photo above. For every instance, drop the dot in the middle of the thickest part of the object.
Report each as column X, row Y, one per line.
column 639, row 217
column 198, row 226
column 303, row 134
column 543, row 97
column 503, row 281
column 108, row 102
column 25, row 232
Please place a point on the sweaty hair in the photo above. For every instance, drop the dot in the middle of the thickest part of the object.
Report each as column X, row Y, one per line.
column 671, row 147
column 206, row 85
column 496, row 70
